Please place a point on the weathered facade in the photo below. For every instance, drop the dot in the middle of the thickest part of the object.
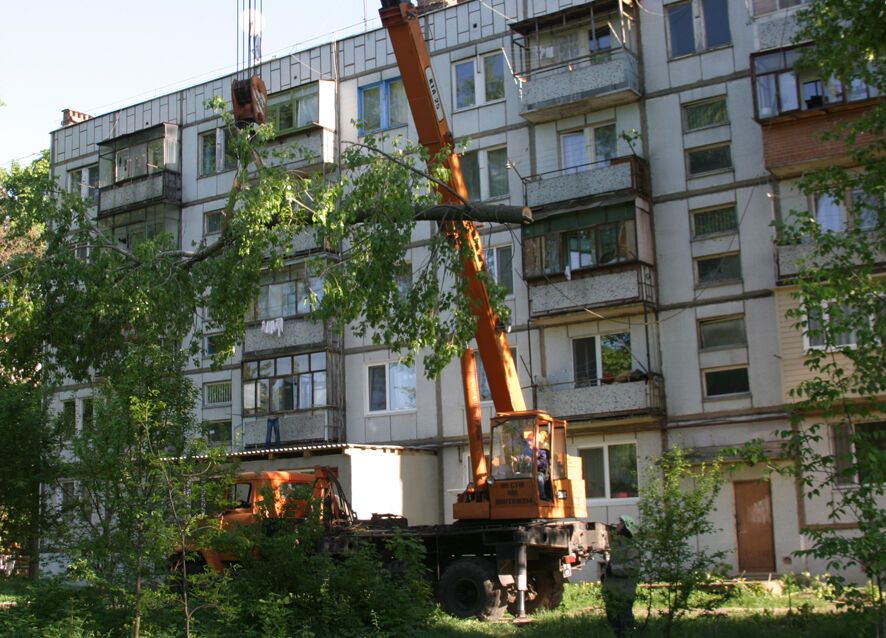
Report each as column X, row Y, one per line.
column 645, row 298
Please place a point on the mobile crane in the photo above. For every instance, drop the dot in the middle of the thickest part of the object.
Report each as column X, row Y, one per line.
column 508, row 487
column 517, row 534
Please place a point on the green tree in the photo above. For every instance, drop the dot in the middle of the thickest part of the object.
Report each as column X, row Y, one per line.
column 841, row 297
column 676, row 502
column 25, row 428
column 123, row 321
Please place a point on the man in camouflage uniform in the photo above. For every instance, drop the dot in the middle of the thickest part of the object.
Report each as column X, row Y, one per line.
column 620, row 579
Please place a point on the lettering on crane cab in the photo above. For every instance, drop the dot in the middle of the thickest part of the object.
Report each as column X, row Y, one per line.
column 435, row 93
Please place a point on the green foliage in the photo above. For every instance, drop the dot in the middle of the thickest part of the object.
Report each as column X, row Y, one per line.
column 287, row 585
column 841, row 292
column 676, row 500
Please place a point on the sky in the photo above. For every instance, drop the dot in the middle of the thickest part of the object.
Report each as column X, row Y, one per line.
column 96, row 56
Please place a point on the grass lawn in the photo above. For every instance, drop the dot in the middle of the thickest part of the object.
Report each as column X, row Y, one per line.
column 11, row 589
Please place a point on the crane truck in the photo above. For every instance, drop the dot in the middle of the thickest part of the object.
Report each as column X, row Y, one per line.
column 517, row 533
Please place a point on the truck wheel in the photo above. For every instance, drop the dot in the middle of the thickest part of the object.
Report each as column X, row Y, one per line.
column 545, row 591
column 469, row 588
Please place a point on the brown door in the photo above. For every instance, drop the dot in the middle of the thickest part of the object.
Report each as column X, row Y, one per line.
column 753, row 526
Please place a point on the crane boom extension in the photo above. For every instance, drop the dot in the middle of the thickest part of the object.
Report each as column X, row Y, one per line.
column 529, row 474
column 425, row 102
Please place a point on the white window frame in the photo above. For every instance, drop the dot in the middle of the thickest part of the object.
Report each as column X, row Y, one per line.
column 724, row 319
column 478, row 63
column 717, row 282
column 86, row 188
column 727, row 395
column 206, row 215
column 808, row 346
column 589, row 151
column 218, row 423
column 484, row 164
column 387, row 409
column 686, row 106
column 208, row 384
column 607, row 480
column 221, row 164
column 709, row 171
column 710, row 209
column 699, row 35
column 492, row 265
column 780, row 5
column 598, row 355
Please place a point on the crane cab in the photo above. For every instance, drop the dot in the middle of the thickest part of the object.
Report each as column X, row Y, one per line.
column 531, row 475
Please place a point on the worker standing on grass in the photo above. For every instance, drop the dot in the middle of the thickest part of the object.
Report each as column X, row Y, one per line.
column 620, row 579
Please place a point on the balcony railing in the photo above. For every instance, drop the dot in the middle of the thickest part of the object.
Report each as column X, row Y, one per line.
column 623, row 286
column 597, row 400
column 319, row 424
column 163, row 187
column 605, row 177
column 592, row 82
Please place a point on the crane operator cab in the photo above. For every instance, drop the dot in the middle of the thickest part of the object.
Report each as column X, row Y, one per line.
column 529, row 472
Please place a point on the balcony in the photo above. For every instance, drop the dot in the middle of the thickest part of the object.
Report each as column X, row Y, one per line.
column 610, row 292
column 319, row 424
column 295, row 332
column 605, row 400
column 312, row 149
column 162, row 187
column 585, row 84
column 604, row 178
column 791, row 256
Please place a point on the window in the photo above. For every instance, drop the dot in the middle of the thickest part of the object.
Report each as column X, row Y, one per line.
column 482, row 379
column 391, row 387
column 858, row 449
column 382, row 106
column 704, row 114
column 479, row 80
column 828, row 327
column 610, row 471
column 836, row 214
column 146, row 158
column 281, row 384
column 713, row 221
column 580, row 240
column 768, row 6
column 84, row 182
column 485, row 173
column 709, row 159
column 600, row 40
column 605, row 358
column 68, row 499
column 212, row 345
column 722, row 333
column 287, row 292
column 68, row 423
column 215, row 153
column 87, row 411
column 597, row 142
column 213, row 222
column 697, row 25
column 217, row 393
column 781, row 87
column 718, row 270
column 219, row 433
column 724, row 382
column 295, row 109
column 500, row 262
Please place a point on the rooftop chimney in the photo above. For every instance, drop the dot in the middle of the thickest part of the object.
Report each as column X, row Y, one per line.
column 70, row 116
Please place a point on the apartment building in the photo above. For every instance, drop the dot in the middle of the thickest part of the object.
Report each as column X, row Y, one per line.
column 652, row 140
